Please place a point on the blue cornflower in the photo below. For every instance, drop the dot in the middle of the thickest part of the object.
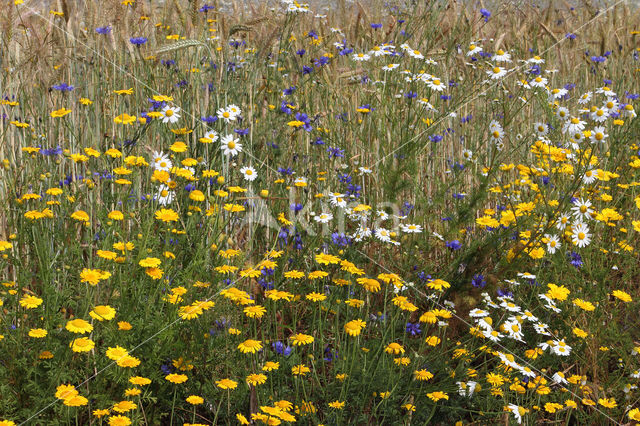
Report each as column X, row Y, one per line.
column 63, row 87
column 435, row 138
column 103, row 30
column 295, row 207
column 478, row 281
column 501, row 292
column 598, row 59
column 570, row 36
column 335, row 152
column 285, row 172
column 205, row 8
column 485, row 13
column 411, row 95
column 168, row 62
column 340, row 239
column 576, row 259
column 321, row 61
column 51, row 151
column 306, row 70
column 458, row 196
column 138, row 41
column 413, row 328
column 453, row 245
column 376, row 26
column 301, row 52
column 210, row 119
column 289, row 91
column 242, row 132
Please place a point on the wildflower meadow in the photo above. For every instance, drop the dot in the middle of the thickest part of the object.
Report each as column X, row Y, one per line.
column 343, row 212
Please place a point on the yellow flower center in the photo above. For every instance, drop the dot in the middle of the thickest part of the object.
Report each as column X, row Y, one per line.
column 496, row 70
column 581, row 235
column 231, row 145
column 168, row 113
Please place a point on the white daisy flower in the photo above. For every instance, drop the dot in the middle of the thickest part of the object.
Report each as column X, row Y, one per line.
column 161, row 161
column 436, row 84
column 411, row 228
column 538, row 82
column 585, row 98
column 497, row 72
column 323, row 217
column 209, row 137
column 580, row 235
column 501, row 56
column 598, row 135
column 383, row 235
column 230, row 145
column 170, row 114
column 553, row 243
column 164, row 196
column 226, row 115
column 473, row 49
column 249, row 173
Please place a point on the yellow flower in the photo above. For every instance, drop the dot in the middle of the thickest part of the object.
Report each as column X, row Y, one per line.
column 93, row 276
column 124, row 406
column 432, row 340
column 60, row 112
column 621, row 295
column 437, row 396
column 75, row 401
column 65, row 391
column 316, row 297
column 327, row 259
column 128, row 361
column 422, row 375
column 37, row 333
column 79, row 326
column 30, row 302
column 132, row 392
column 270, row 366
column 226, row 384
column 300, row 370
column 354, row 328
column 438, row 284
column 176, row 378
column 167, row 215
column 82, row 344
column 139, row 381
column 80, row 215
column 301, row 339
column 394, row 348
column 195, row 400
column 582, row 304
column 250, row 346
column 125, row 119
column 255, row 311
column 103, row 312
column 116, row 353
column 555, row 292
column 580, row 333
column 119, row 421
column 124, row 325
column 150, row 262
column 608, row 402
column 256, row 379
column 339, row 405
